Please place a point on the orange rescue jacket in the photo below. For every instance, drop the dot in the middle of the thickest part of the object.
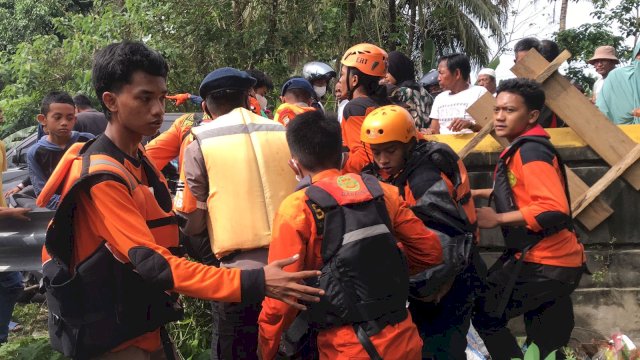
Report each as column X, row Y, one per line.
column 295, row 232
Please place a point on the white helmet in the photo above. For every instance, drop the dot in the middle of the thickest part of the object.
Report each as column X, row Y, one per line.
column 317, row 70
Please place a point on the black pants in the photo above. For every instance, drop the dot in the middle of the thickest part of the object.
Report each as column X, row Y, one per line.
column 443, row 327
column 545, row 303
column 234, row 334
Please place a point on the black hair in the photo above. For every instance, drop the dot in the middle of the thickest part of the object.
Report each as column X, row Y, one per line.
column 531, row 91
column 82, row 102
column 457, row 62
column 315, row 139
column 55, row 97
column 262, row 79
column 527, row 44
column 114, row 65
column 549, row 50
column 371, row 86
column 223, row 102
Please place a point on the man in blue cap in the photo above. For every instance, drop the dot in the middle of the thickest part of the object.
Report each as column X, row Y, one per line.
column 297, row 97
column 237, row 170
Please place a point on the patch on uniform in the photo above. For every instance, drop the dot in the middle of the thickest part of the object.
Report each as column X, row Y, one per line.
column 347, row 183
column 512, row 178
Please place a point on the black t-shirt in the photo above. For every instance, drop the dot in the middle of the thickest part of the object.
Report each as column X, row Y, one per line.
column 92, row 121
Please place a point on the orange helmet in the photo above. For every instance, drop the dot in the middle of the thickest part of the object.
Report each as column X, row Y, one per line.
column 388, row 123
column 369, row 59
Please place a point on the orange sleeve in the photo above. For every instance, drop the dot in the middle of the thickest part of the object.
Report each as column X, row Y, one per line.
column 421, row 245
column 125, row 231
column 291, row 233
column 548, row 202
column 359, row 153
column 166, row 146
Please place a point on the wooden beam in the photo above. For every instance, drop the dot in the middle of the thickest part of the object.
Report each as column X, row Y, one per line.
column 553, row 66
column 583, row 201
column 597, row 212
column 605, row 138
column 478, row 137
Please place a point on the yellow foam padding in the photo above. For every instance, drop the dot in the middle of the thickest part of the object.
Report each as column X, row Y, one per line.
column 561, row 138
column 246, row 159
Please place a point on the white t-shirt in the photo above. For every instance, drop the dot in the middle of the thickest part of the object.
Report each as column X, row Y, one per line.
column 597, row 87
column 341, row 106
column 447, row 107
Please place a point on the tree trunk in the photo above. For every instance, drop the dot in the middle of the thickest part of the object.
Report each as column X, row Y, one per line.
column 412, row 24
column 391, row 41
column 563, row 14
column 351, row 17
column 273, row 23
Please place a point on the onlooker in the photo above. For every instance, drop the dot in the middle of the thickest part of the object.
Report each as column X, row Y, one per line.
column 487, row 79
column 549, row 50
column 319, row 75
column 604, row 60
column 57, row 116
column 259, row 93
column 296, row 96
column 619, row 99
column 403, row 89
column 430, row 83
column 88, row 119
column 523, row 46
column 449, row 112
column 341, row 100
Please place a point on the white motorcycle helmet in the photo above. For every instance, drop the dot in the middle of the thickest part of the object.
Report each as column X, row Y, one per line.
column 316, row 70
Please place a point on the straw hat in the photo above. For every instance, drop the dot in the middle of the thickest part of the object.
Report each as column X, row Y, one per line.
column 604, row 53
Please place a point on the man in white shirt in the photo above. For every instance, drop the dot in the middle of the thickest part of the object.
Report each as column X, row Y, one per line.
column 449, row 111
column 604, row 60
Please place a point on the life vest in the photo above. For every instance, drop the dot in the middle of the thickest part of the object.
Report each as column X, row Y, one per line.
column 286, row 112
column 446, row 207
column 519, row 238
column 364, row 273
column 246, row 158
column 184, row 201
column 103, row 301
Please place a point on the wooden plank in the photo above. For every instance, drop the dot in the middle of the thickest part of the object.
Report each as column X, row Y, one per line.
column 479, row 136
column 597, row 212
column 553, row 66
column 583, row 201
column 605, row 138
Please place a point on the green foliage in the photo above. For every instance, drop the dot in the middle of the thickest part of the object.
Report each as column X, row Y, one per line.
column 533, row 353
column 582, row 42
column 192, row 335
column 49, row 45
column 36, row 348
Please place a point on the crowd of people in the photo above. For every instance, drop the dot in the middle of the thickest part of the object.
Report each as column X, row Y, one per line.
column 313, row 235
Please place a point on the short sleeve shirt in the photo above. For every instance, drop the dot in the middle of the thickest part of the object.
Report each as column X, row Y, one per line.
column 447, row 107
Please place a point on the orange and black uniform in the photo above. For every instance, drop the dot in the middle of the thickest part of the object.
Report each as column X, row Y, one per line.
column 552, row 267
column 353, row 116
column 161, row 150
column 119, row 210
column 286, row 112
column 295, row 232
column 443, row 326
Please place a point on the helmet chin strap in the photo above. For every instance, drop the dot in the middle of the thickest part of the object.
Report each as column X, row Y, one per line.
column 350, row 91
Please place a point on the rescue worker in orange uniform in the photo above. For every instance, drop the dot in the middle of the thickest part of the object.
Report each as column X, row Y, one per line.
column 297, row 97
column 166, row 147
column 434, row 182
column 258, row 102
column 109, row 275
column 363, row 66
column 349, row 226
column 544, row 260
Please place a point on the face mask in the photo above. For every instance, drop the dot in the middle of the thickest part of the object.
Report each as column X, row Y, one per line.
column 262, row 101
column 320, row 90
